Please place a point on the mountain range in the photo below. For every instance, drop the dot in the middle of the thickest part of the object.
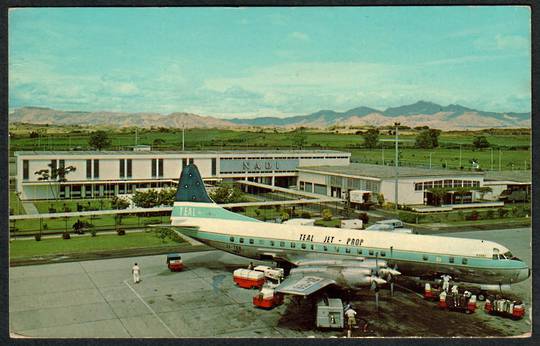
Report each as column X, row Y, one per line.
column 421, row 113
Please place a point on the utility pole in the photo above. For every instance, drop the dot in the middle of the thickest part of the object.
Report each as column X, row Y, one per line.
column 460, row 156
column 382, row 150
column 491, row 158
column 397, row 166
column 136, row 135
column 430, row 160
column 499, row 159
column 183, row 135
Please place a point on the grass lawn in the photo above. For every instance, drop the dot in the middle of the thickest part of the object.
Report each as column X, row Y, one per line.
column 59, row 246
column 15, row 204
column 43, row 206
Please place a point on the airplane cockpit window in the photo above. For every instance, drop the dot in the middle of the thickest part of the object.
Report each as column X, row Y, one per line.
column 508, row 255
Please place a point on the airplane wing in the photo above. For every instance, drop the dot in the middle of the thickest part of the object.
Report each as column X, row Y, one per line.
column 298, row 284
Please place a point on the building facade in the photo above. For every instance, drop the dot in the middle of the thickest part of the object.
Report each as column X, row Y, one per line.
column 97, row 174
column 413, row 183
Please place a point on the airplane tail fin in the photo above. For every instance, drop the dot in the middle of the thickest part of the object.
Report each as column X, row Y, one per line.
column 191, row 187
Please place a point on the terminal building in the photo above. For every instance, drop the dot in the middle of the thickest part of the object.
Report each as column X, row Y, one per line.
column 413, row 183
column 107, row 173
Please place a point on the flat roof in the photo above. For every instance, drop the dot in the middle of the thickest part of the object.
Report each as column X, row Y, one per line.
column 384, row 172
column 177, row 152
column 521, row 176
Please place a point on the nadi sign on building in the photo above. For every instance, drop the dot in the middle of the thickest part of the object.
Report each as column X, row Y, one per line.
column 257, row 165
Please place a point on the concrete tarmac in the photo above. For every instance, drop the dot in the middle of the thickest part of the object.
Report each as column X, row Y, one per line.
column 99, row 299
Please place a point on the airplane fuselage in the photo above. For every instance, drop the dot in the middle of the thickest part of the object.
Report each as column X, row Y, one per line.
column 469, row 260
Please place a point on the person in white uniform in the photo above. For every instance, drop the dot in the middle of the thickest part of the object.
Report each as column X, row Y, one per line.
column 351, row 320
column 136, row 271
column 446, row 282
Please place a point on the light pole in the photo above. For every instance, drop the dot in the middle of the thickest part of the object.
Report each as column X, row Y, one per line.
column 430, row 160
column 460, row 156
column 491, row 158
column 183, row 134
column 397, row 166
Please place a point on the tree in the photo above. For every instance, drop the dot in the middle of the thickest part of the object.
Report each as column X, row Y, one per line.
column 480, row 142
column 371, row 138
column 99, row 140
column 226, row 194
column 427, row 139
column 119, row 203
column 299, row 138
column 34, row 134
column 483, row 190
column 438, row 194
column 327, row 215
column 157, row 142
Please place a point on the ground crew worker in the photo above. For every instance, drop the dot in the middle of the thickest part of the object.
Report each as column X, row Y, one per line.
column 136, row 270
column 351, row 320
column 446, row 282
column 250, row 266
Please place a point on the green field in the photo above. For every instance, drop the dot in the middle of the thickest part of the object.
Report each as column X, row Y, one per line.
column 15, row 204
column 513, row 145
column 59, row 246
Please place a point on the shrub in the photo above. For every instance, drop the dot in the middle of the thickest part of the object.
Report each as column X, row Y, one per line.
column 380, row 199
column 45, row 226
column 93, row 232
column 257, row 212
column 284, row 216
column 473, row 216
column 121, row 231
column 306, row 215
column 490, row 214
column 52, row 210
column 364, row 217
column 327, row 215
column 502, row 212
column 37, row 237
column 66, row 235
column 407, row 217
column 461, row 216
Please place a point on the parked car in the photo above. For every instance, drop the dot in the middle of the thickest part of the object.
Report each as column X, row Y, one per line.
column 389, row 226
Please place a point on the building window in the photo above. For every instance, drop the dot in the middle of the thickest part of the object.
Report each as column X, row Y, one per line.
column 457, row 183
column 54, row 169
column 428, row 185
column 448, row 183
column 464, row 261
column 154, row 168
column 438, row 183
column 89, row 169
column 25, row 166
column 418, row 186
column 122, row 168
column 450, row 259
column 62, row 164
column 214, row 171
column 129, row 168
column 476, row 183
column 96, row 168
column 251, row 241
column 160, row 168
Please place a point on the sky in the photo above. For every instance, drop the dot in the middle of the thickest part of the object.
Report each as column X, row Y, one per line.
column 249, row 62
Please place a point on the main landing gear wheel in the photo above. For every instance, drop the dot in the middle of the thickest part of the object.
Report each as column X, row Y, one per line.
column 481, row 296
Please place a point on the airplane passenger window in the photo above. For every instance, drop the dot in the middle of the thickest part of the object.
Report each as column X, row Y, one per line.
column 425, row 257
column 242, row 240
column 347, row 250
column 282, row 243
column 464, row 261
column 325, row 248
column 371, row 252
column 383, row 253
column 293, row 245
column 251, row 241
column 271, row 243
column 311, row 246
column 358, row 251
column 451, row 259
column 231, row 239
column 303, row 246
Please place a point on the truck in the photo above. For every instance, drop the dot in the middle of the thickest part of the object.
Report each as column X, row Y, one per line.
column 352, row 224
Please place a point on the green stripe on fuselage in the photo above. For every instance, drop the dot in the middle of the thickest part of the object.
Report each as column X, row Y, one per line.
column 208, row 213
column 335, row 249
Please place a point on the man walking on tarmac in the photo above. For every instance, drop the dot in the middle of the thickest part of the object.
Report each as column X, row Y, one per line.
column 351, row 320
column 136, row 273
column 446, row 282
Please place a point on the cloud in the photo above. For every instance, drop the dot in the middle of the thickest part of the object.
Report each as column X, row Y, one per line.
column 503, row 42
column 296, row 35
